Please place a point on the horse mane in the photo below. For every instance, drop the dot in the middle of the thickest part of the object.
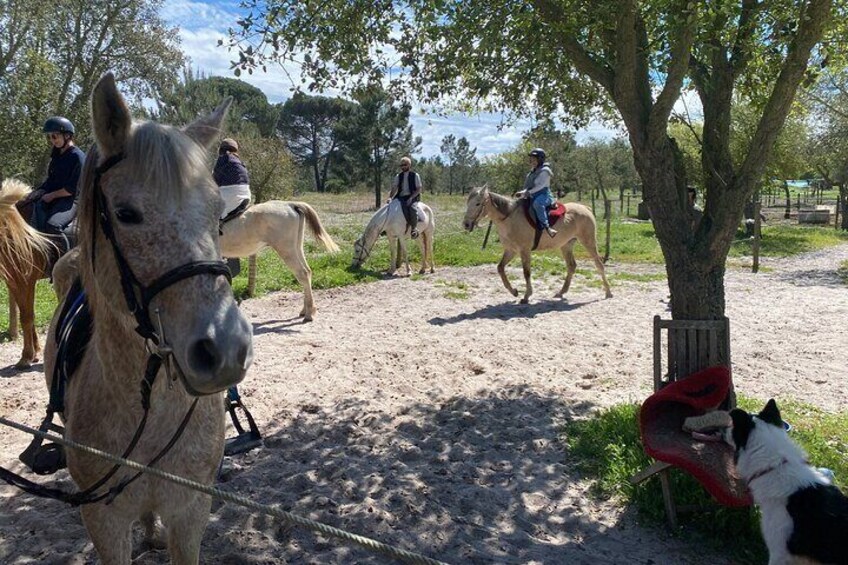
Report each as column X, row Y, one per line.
column 372, row 230
column 22, row 247
column 503, row 204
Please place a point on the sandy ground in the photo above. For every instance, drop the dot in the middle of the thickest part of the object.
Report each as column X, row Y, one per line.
column 427, row 413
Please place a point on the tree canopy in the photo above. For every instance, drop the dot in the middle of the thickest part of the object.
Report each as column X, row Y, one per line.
column 575, row 59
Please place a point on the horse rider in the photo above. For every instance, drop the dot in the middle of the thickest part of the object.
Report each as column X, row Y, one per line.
column 406, row 187
column 53, row 202
column 231, row 176
column 537, row 188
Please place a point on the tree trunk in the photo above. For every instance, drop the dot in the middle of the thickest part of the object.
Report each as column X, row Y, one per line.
column 608, row 216
column 843, row 204
column 787, row 213
column 694, row 261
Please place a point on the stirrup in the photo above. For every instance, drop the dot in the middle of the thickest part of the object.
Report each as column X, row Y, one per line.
column 246, row 439
column 44, row 459
column 414, row 234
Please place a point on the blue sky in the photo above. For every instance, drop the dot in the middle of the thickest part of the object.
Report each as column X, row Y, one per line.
column 203, row 23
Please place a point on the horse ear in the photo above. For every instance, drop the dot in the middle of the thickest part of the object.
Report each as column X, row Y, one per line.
column 205, row 130
column 110, row 116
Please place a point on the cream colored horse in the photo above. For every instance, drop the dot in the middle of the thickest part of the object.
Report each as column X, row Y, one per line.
column 517, row 235
column 390, row 219
column 279, row 225
column 163, row 206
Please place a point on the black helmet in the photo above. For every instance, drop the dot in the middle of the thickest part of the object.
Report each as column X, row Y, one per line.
column 58, row 124
column 539, row 154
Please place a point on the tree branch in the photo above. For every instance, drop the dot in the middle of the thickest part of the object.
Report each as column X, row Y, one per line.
column 677, row 68
column 741, row 52
column 579, row 56
column 812, row 20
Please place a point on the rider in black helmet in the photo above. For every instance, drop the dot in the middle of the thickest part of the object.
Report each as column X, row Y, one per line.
column 54, row 199
column 537, row 187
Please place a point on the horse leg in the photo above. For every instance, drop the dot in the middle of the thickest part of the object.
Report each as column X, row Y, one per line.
column 296, row 261
column 507, row 257
column 430, row 237
column 25, row 298
column 525, row 266
column 110, row 532
column 154, row 534
column 423, row 245
column 567, row 251
column 402, row 252
column 592, row 247
column 14, row 328
column 185, row 531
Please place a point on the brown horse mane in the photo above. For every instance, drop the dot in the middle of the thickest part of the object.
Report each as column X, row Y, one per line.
column 503, row 204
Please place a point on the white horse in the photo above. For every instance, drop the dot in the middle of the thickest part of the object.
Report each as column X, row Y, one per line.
column 390, row 219
column 279, row 225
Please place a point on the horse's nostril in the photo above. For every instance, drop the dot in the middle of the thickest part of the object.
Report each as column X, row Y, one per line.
column 204, row 356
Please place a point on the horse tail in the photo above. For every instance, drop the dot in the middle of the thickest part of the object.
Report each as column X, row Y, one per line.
column 315, row 225
column 22, row 247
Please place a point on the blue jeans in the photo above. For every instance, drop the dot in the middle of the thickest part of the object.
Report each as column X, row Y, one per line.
column 542, row 200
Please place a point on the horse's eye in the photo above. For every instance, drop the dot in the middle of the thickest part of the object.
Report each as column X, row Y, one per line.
column 128, row 216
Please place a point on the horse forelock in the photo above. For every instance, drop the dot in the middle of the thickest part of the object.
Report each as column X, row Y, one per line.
column 164, row 158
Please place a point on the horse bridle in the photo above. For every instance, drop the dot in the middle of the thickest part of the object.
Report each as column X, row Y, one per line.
column 138, row 297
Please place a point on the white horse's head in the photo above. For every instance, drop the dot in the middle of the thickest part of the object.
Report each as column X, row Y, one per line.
column 475, row 206
column 360, row 253
column 154, row 192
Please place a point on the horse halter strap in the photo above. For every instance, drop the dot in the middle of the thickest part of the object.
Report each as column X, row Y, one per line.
column 137, row 295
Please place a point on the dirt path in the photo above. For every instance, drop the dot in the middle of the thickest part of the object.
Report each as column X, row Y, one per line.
column 427, row 413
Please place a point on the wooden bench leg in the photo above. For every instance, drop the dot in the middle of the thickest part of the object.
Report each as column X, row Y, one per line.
column 670, row 509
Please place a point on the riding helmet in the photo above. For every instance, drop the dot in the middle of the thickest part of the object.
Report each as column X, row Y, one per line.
column 58, row 124
column 539, row 154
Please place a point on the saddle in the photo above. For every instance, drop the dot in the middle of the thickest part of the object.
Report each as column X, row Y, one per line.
column 63, row 236
column 72, row 337
column 555, row 211
column 233, row 214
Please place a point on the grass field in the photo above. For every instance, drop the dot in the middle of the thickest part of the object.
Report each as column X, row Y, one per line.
column 346, row 215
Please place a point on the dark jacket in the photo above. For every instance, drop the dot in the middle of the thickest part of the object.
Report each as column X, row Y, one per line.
column 63, row 172
column 230, row 170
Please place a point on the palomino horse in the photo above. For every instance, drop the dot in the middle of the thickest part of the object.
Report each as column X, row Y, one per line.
column 279, row 225
column 390, row 219
column 24, row 254
column 148, row 242
column 517, row 235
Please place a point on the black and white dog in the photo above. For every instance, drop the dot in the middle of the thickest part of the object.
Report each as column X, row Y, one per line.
column 804, row 517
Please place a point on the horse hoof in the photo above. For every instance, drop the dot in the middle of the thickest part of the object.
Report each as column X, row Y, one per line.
column 422, row 272
column 514, row 292
column 558, row 295
column 609, row 294
column 525, row 301
column 23, row 364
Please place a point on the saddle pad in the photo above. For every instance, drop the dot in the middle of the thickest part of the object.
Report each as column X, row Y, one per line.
column 554, row 214
column 661, row 421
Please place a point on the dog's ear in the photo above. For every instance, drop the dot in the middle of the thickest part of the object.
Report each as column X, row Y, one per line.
column 743, row 424
column 771, row 415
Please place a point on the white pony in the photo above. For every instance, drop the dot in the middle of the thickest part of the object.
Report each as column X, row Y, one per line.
column 279, row 225
column 390, row 219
